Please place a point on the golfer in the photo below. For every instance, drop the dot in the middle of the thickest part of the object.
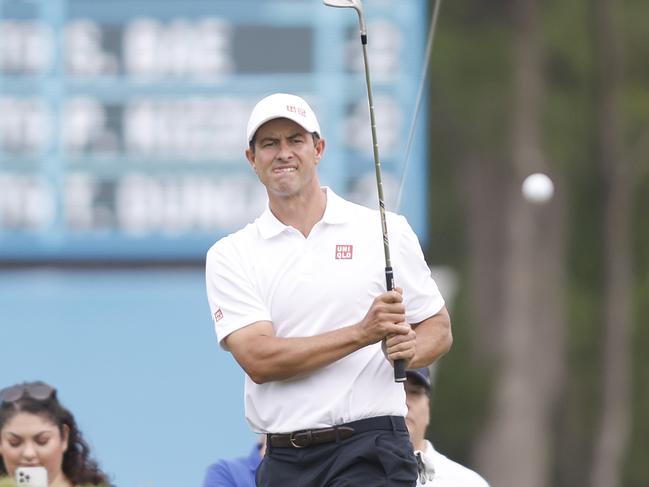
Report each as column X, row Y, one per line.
column 298, row 297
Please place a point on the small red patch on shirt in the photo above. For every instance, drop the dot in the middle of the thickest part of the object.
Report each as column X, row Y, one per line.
column 344, row 252
column 218, row 315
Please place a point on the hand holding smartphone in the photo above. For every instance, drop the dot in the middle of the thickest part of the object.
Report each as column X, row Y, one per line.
column 31, row 477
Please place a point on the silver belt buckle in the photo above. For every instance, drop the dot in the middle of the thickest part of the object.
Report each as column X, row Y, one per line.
column 291, row 439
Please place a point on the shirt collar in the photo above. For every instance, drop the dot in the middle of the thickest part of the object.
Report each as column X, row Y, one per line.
column 336, row 211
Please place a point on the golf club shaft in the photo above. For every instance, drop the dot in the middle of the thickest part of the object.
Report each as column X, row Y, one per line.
column 399, row 365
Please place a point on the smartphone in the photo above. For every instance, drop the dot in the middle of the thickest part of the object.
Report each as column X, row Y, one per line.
column 31, row 477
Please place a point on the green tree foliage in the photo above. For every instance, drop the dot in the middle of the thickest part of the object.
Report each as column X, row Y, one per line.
column 470, row 87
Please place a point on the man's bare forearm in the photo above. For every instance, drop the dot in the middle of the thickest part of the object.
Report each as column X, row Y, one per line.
column 266, row 357
column 434, row 339
column 271, row 358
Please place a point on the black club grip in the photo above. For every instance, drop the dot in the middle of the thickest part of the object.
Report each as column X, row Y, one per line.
column 399, row 370
column 399, row 365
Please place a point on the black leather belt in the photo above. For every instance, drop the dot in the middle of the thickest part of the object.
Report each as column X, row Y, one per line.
column 312, row 437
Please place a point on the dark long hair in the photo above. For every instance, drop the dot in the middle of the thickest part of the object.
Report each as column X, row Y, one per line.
column 77, row 465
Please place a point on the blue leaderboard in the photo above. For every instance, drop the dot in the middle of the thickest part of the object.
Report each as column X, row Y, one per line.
column 122, row 123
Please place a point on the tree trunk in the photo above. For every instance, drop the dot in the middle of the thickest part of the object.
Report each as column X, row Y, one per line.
column 612, row 430
column 514, row 447
column 486, row 250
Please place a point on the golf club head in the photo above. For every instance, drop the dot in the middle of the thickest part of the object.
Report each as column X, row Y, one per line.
column 355, row 4
column 343, row 3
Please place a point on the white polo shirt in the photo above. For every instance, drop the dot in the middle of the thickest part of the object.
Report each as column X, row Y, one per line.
column 440, row 471
column 307, row 286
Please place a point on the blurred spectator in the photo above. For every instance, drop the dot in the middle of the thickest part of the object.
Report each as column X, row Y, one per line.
column 36, row 430
column 435, row 470
column 236, row 472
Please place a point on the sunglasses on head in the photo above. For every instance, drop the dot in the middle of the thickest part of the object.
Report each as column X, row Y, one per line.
column 36, row 390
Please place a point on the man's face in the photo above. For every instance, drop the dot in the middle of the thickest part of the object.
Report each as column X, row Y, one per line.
column 285, row 158
column 418, row 404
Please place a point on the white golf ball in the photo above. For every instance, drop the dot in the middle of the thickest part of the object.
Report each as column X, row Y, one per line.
column 538, row 188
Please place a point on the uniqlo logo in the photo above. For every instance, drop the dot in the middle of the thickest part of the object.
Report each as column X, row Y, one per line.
column 344, row 252
column 218, row 315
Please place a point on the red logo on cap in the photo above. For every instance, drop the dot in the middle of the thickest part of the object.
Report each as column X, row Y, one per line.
column 294, row 109
column 344, row 252
column 218, row 315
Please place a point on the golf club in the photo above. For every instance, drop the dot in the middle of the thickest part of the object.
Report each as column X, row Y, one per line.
column 399, row 365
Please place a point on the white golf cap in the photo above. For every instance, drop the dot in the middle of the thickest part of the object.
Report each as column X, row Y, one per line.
column 282, row 105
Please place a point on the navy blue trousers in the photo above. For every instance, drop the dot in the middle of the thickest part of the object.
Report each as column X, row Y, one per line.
column 376, row 458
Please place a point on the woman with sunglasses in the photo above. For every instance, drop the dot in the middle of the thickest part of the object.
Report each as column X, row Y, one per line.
column 36, row 430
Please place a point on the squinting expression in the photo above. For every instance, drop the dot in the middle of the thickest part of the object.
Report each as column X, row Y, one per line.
column 285, row 158
column 29, row 440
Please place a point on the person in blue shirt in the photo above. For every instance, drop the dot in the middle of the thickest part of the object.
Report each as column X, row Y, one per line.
column 236, row 472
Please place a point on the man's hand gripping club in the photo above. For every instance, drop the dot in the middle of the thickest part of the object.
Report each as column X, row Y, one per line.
column 386, row 321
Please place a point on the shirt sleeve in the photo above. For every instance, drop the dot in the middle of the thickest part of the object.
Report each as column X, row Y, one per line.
column 411, row 273
column 233, row 297
column 217, row 475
